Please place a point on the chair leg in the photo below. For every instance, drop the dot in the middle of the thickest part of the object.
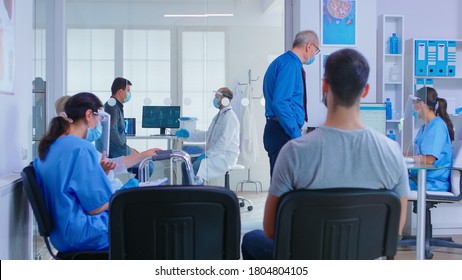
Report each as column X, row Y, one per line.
column 242, row 202
column 227, row 180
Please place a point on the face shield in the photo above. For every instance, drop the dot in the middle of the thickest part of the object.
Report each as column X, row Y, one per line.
column 414, row 117
column 225, row 99
column 105, row 120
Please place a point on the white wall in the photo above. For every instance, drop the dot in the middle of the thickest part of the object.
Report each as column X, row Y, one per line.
column 15, row 110
column 426, row 18
column 15, row 135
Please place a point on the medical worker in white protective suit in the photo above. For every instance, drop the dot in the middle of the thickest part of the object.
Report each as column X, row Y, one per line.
column 222, row 139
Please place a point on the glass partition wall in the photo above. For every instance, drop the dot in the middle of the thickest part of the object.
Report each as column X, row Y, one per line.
column 175, row 53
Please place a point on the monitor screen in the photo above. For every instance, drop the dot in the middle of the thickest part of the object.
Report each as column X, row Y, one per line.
column 161, row 117
column 130, row 126
column 374, row 116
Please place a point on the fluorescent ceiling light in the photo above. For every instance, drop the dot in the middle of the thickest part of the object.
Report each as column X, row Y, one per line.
column 198, row 15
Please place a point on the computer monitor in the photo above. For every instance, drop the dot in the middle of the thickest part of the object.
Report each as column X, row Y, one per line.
column 161, row 117
column 374, row 116
column 130, row 126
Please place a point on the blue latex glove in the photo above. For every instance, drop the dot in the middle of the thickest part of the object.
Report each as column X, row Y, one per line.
column 182, row 133
column 132, row 183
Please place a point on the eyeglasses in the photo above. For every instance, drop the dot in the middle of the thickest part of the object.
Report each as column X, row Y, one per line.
column 318, row 50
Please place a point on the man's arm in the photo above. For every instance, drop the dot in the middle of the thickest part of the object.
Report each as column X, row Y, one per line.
column 269, row 219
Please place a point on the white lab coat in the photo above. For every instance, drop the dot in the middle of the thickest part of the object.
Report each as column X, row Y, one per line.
column 222, row 144
column 248, row 137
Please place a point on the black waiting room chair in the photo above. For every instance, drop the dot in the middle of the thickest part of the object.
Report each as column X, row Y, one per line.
column 337, row 224
column 45, row 221
column 174, row 222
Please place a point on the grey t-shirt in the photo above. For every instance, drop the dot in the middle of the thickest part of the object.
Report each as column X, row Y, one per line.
column 333, row 158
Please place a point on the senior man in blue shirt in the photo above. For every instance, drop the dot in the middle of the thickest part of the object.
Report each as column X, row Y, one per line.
column 285, row 94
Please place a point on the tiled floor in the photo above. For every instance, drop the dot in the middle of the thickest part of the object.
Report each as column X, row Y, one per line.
column 253, row 220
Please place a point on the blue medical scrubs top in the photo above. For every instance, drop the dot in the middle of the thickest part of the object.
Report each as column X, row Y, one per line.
column 74, row 183
column 435, row 140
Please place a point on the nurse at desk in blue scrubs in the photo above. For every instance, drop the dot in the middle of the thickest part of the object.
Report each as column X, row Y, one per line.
column 432, row 144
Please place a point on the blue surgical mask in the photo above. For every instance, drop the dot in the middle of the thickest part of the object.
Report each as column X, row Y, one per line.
column 128, row 97
column 215, row 103
column 94, row 134
column 310, row 61
column 415, row 114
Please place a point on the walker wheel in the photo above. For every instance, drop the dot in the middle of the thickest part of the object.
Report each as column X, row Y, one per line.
column 250, row 208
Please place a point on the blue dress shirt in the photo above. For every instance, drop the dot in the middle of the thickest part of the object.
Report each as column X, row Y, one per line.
column 283, row 91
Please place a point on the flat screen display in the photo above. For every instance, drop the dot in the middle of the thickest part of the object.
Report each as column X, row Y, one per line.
column 130, row 126
column 374, row 116
column 161, row 117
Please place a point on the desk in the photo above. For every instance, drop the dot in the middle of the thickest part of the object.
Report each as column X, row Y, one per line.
column 169, row 138
column 421, row 182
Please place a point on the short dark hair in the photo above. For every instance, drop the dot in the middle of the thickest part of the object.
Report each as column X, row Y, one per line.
column 346, row 73
column 119, row 83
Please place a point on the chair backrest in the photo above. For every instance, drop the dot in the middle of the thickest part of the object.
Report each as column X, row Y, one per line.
column 456, row 184
column 174, row 222
column 337, row 224
column 37, row 201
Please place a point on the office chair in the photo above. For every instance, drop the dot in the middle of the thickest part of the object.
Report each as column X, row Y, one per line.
column 432, row 199
column 337, row 224
column 45, row 221
column 174, row 222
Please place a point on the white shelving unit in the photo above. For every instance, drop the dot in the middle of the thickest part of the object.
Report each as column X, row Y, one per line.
column 448, row 87
column 391, row 85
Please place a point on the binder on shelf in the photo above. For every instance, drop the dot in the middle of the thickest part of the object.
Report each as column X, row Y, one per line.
column 431, row 58
column 429, row 82
column 418, row 84
column 451, row 69
column 420, row 58
column 441, row 58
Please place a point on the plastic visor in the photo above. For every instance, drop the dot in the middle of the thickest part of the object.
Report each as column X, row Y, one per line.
column 105, row 119
column 414, row 116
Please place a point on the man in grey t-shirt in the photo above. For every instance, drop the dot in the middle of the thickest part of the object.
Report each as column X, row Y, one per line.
column 342, row 153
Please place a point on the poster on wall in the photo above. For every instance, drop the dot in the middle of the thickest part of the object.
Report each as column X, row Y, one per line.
column 338, row 22
column 6, row 46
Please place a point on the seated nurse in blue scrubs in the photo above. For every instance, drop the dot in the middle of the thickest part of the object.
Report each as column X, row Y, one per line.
column 75, row 186
column 432, row 144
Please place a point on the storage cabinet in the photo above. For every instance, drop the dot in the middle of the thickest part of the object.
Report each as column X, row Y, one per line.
column 390, row 81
